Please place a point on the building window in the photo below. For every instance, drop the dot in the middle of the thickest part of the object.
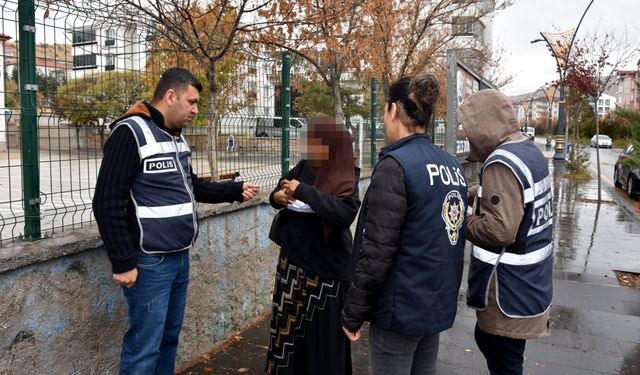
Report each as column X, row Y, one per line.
column 109, row 62
column 265, row 93
column 83, row 36
column 467, row 26
column 607, row 102
column 599, row 101
column 251, row 91
column 251, row 67
column 110, row 39
column 84, row 61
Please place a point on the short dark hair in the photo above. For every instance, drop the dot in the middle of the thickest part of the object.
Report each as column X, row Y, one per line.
column 175, row 78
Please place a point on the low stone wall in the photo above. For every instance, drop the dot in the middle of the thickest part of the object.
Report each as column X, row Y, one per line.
column 61, row 313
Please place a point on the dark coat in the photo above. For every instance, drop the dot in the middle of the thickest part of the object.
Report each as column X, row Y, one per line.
column 302, row 236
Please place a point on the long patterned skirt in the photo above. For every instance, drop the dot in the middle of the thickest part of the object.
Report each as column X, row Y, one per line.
column 306, row 334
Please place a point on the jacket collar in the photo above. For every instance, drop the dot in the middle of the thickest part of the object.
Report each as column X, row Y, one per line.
column 401, row 142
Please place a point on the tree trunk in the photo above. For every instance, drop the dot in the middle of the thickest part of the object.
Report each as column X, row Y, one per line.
column 335, row 94
column 212, row 122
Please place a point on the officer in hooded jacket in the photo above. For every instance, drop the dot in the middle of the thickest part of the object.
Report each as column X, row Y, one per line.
column 510, row 273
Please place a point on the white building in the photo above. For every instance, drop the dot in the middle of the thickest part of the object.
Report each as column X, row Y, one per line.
column 251, row 98
column 102, row 47
column 535, row 105
column 606, row 105
column 474, row 37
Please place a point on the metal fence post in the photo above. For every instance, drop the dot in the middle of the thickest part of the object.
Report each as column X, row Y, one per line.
column 28, row 120
column 374, row 95
column 286, row 111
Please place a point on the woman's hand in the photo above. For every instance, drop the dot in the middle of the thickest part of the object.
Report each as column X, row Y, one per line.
column 353, row 336
column 281, row 198
column 289, row 187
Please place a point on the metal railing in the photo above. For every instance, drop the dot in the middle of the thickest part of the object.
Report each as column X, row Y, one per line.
column 67, row 74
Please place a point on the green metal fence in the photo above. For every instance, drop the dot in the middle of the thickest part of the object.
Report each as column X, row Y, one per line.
column 68, row 73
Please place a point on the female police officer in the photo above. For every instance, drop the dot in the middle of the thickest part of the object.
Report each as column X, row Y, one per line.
column 409, row 240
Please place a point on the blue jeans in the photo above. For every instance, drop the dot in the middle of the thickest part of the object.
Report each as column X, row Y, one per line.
column 395, row 353
column 504, row 355
column 156, row 309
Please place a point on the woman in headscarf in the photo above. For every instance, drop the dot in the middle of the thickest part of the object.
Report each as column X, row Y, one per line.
column 319, row 199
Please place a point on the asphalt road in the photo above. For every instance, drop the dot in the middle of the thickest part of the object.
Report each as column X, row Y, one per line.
column 608, row 157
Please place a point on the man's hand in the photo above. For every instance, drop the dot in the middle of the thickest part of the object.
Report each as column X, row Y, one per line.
column 281, row 198
column 249, row 191
column 289, row 187
column 353, row 336
column 127, row 279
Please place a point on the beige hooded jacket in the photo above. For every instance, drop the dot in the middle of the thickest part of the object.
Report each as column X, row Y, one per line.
column 490, row 120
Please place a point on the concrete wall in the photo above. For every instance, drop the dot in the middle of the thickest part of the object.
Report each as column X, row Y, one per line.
column 61, row 313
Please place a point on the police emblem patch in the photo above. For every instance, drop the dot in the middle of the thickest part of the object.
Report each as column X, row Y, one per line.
column 453, row 215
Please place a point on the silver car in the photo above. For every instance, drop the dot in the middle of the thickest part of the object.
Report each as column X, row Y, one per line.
column 601, row 141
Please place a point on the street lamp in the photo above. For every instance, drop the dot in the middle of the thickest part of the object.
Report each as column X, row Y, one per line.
column 561, row 52
column 550, row 93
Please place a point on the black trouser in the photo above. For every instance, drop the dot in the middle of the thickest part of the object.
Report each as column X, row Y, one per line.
column 504, row 355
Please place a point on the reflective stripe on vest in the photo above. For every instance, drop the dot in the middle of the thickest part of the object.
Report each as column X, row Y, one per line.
column 145, row 212
column 512, row 259
column 523, row 269
column 162, row 191
column 153, row 147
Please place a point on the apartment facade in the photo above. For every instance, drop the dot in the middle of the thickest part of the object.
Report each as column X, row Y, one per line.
column 98, row 48
column 628, row 95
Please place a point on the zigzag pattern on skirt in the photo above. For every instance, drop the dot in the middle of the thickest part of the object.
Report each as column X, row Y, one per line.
column 296, row 299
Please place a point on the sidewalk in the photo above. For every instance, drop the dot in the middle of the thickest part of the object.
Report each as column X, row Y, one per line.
column 595, row 323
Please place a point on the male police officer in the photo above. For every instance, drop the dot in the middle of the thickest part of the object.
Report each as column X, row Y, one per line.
column 144, row 205
column 510, row 275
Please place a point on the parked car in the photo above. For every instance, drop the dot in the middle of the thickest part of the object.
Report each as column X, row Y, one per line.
column 627, row 176
column 272, row 126
column 529, row 136
column 529, row 132
column 602, row 140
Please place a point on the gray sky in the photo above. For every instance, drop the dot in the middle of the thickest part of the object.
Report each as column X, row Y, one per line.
column 531, row 64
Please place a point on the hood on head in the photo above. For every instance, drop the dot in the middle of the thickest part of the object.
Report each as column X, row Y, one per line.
column 489, row 120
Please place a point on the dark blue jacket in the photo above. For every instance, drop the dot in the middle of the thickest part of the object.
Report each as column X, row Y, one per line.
column 409, row 241
column 524, row 268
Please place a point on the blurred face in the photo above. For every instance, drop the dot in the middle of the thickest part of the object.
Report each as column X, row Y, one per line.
column 182, row 107
column 312, row 149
